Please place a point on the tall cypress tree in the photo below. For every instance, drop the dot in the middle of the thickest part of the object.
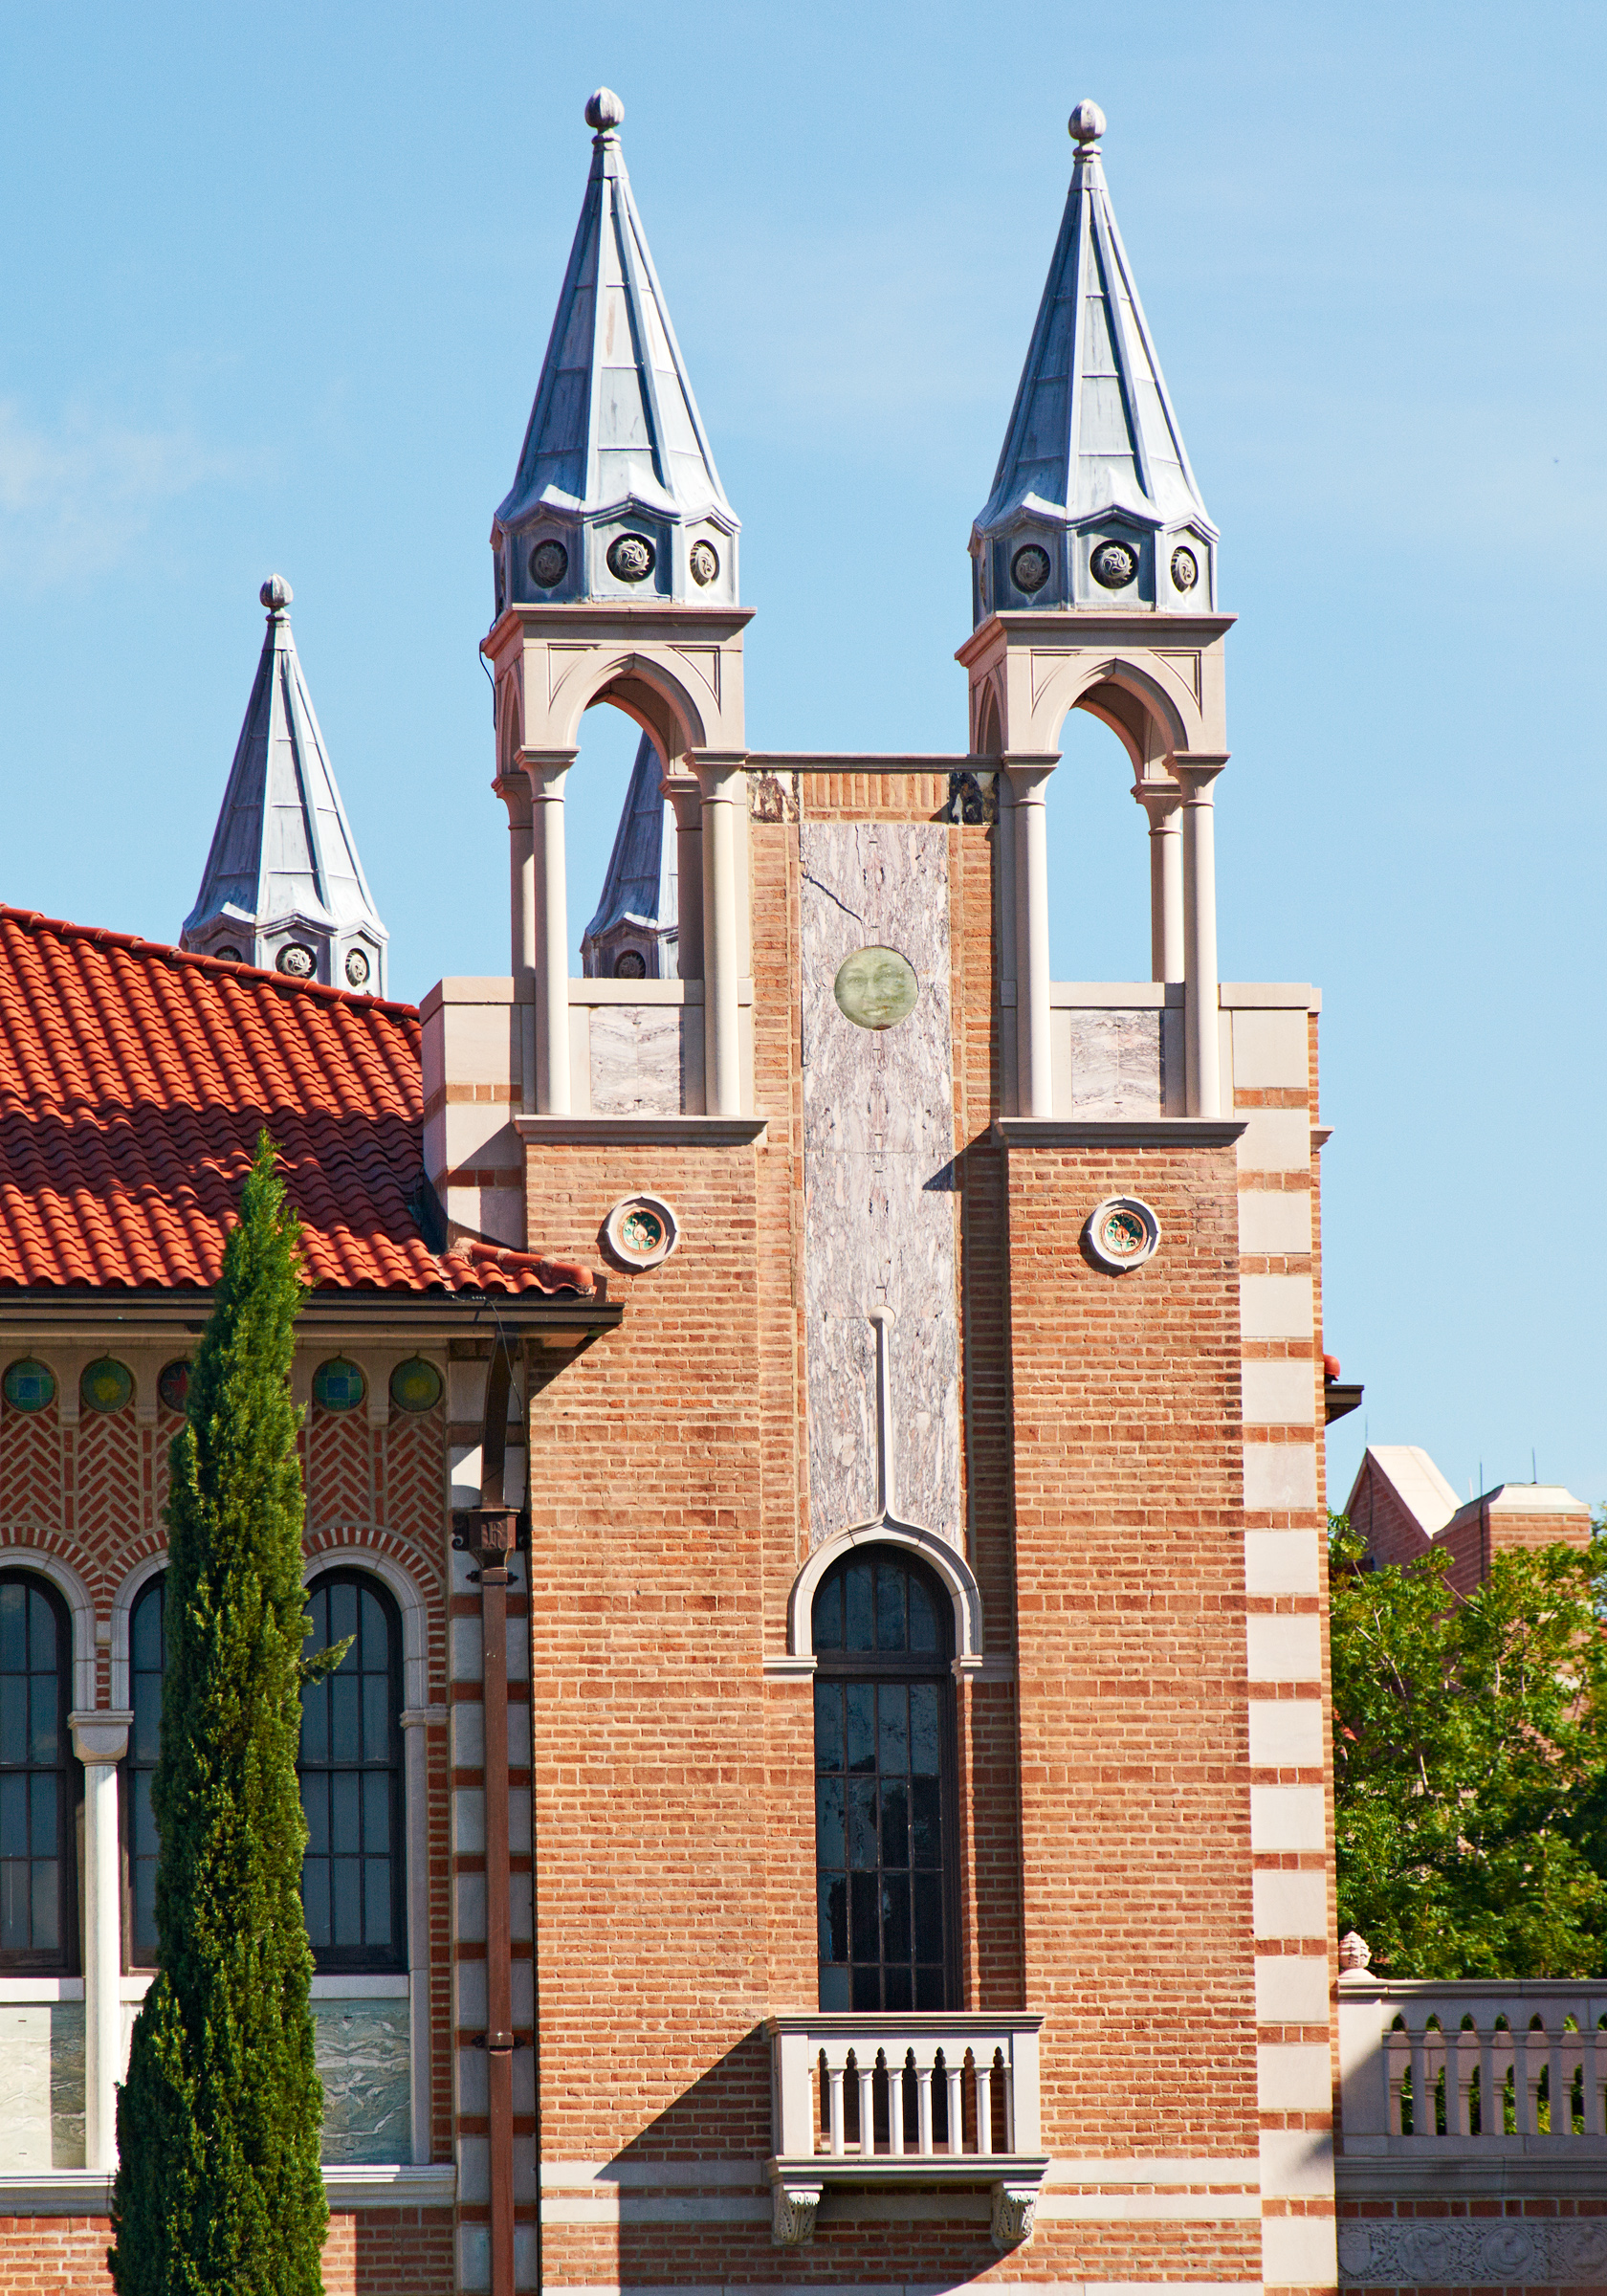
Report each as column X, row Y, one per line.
column 218, row 2187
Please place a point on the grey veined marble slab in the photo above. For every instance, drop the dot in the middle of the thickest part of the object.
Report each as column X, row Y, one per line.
column 41, row 2086
column 636, row 1059
column 878, row 1145
column 360, row 2050
column 1115, row 1058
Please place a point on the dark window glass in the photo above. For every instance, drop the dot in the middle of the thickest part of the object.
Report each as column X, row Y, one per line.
column 40, row 1780
column 883, row 1784
column 147, row 1662
column 351, row 1779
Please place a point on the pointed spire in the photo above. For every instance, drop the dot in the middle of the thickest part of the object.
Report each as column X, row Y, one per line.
column 283, row 885
column 635, row 924
column 616, row 496
column 1093, row 502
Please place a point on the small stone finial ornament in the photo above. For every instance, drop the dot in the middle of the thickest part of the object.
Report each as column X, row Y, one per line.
column 604, row 110
column 1087, row 123
column 276, row 593
column 1354, row 1952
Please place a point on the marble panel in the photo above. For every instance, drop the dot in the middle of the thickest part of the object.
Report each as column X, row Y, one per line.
column 878, row 1149
column 360, row 2048
column 636, row 1060
column 1116, row 1063
column 41, row 2086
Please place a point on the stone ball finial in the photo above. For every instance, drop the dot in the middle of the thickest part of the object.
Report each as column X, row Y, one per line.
column 276, row 593
column 604, row 110
column 1087, row 123
column 1354, row 1952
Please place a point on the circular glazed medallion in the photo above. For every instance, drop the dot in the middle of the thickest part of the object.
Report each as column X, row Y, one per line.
column 339, row 1385
column 172, row 1385
column 631, row 557
column 1122, row 1232
column 640, row 1232
column 29, row 1386
column 357, row 968
column 296, row 961
column 415, row 1385
column 1029, row 569
column 549, row 563
column 704, row 561
column 1113, row 564
column 1185, row 569
column 106, row 1385
column 876, row 988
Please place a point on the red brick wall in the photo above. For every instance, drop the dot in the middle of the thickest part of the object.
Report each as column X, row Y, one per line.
column 382, row 2252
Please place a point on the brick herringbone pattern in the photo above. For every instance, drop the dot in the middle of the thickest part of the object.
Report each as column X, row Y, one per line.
column 30, row 1472
column 341, row 1469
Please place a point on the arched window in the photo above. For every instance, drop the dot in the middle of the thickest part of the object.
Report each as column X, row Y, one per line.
column 883, row 1784
column 352, row 1879
column 40, row 1780
column 147, row 1662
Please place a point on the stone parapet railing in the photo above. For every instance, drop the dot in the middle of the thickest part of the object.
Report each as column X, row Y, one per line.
column 905, row 2100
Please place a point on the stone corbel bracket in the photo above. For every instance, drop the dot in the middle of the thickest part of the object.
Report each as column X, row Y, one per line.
column 1015, row 2210
column 792, row 2218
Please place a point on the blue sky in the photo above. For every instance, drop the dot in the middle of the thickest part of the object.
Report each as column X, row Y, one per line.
column 277, row 285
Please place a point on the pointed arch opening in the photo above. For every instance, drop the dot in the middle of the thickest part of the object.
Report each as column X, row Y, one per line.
column 1098, row 849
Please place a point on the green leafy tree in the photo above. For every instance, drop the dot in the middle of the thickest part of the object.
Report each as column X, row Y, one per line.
column 1470, row 1762
column 218, row 2187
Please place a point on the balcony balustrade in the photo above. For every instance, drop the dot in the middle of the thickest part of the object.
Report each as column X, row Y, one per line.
column 1472, row 2070
column 905, row 2100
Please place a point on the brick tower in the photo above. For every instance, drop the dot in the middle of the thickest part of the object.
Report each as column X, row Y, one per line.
column 928, row 1789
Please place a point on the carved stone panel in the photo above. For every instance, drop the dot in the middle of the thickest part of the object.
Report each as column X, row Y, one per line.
column 1116, row 1062
column 878, row 1148
column 1474, row 2252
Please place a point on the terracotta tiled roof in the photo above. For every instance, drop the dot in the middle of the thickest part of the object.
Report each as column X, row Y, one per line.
column 134, row 1080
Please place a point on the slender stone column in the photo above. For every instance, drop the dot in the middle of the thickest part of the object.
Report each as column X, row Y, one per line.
column 1162, row 801
column 547, row 769
column 1196, row 770
column 723, row 787
column 1034, row 1082
column 100, row 1740
column 684, row 794
column 514, row 789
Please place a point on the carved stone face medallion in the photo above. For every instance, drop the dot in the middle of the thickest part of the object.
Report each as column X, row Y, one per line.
column 876, row 988
column 630, row 965
column 357, row 968
column 1113, row 564
column 1029, row 569
column 631, row 558
column 704, row 561
column 1185, row 569
column 297, row 960
column 549, row 563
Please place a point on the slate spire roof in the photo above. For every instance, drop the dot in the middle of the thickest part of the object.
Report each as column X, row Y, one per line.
column 615, row 443
column 1093, row 448
column 283, row 885
column 636, row 910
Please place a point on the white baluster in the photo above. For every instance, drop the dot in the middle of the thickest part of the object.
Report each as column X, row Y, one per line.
column 985, row 2108
column 1462, row 2044
column 895, row 2108
column 1525, row 2082
column 1594, row 2054
column 1560, row 2080
column 1491, row 2117
column 834, row 2077
column 1422, row 2105
column 954, row 2073
column 867, row 2108
column 923, row 2105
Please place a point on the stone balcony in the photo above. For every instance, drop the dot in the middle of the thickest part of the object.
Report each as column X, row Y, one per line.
column 906, row 2101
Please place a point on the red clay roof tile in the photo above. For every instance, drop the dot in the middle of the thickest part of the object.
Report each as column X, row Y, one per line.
column 134, row 1080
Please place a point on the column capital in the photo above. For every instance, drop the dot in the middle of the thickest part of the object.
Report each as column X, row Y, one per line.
column 514, row 789
column 101, row 1735
column 718, row 772
column 1197, row 769
column 545, row 769
column 1160, row 799
column 1027, row 771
